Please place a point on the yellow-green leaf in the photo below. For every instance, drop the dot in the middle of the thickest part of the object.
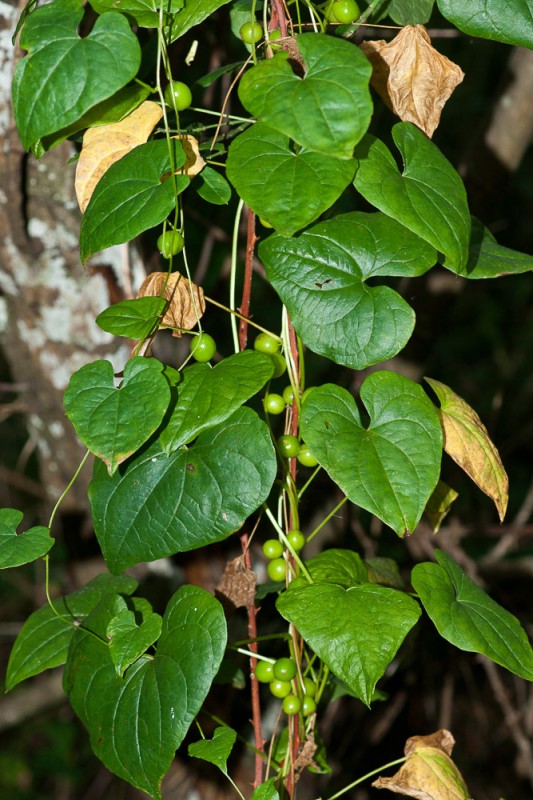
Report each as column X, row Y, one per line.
column 467, row 441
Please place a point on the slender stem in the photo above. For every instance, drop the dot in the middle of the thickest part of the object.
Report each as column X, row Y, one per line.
column 233, row 273
column 367, row 776
column 251, row 239
column 326, row 519
column 287, row 544
column 69, row 487
column 241, row 316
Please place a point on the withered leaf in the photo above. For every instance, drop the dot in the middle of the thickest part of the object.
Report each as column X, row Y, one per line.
column 428, row 773
column 237, row 585
column 104, row 145
column 186, row 302
column 194, row 163
column 413, row 79
column 467, row 441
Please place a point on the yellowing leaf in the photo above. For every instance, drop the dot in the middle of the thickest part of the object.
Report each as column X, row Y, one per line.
column 186, row 302
column 194, row 162
column 428, row 773
column 104, row 145
column 413, row 79
column 439, row 504
column 467, row 441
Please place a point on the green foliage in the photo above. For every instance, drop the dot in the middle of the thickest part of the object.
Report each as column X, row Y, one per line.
column 182, row 461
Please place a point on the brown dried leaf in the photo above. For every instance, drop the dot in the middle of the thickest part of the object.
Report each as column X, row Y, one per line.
column 237, row 584
column 305, row 755
column 194, row 162
column 467, row 441
column 413, row 79
column 104, row 145
column 186, row 305
column 428, row 773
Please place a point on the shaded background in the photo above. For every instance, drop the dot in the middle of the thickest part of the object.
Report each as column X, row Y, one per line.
column 475, row 336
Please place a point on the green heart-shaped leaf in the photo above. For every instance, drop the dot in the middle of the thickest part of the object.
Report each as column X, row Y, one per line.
column 114, row 423
column 144, row 12
column 488, row 259
column 209, row 395
column 392, row 467
column 128, row 640
column 44, row 639
column 429, row 197
column 285, row 188
column 491, row 19
column 137, row 722
column 161, row 505
column 64, row 76
column 321, row 276
column 216, row 750
column 355, row 632
column 135, row 319
column 328, row 110
column 24, row 547
column 468, row 618
column 343, row 567
column 134, row 194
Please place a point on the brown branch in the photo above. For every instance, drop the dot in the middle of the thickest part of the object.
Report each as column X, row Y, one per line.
column 256, row 703
column 244, row 309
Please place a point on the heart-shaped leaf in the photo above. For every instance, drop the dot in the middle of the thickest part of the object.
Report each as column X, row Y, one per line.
column 137, row 722
column 163, row 505
column 287, row 189
column 24, row 547
column 144, row 12
column 330, row 619
column 343, row 567
column 216, row 750
column 321, row 276
column 488, row 259
column 392, row 467
column 267, row 791
column 135, row 319
column 135, row 194
column 61, row 78
column 128, row 640
column 114, row 423
column 44, row 639
column 429, row 197
column 492, row 19
column 209, row 395
column 328, row 110
column 468, row 618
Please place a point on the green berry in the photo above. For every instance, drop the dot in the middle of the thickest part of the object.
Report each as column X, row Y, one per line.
column 277, row 569
column 344, row 11
column 288, row 395
column 285, row 669
column 170, row 243
column 178, row 95
column 291, row 704
column 203, row 347
column 280, row 365
column 273, row 37
column 305, row 457
column 266, row 344
column 296, row 540
column 309, row 687
column 264, row 671
column 280, row 688
column 274, row 404
column 288, row 446
column 308, row 705
column 273, row 548
column 251, row 32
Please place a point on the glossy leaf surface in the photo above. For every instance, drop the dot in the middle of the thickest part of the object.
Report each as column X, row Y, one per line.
column 113, row 423
column 356, row 632
column 17, row 549
column 64, row 76
column 158, row 505
column 322, row 277
column 135, row 194
column 389, row 468
column 508, row 22
column 144, row 12
column 428, row 197
column 343, row 567
column 137, row 722
column 468, row 618
column 209, row 395
column 213, row 187
column 44, row 639
column 488, row 259
column 132, row 318
column 328, row 110
column 216, row 750
column 128, row 640
column 409, row 12
column 287, row 189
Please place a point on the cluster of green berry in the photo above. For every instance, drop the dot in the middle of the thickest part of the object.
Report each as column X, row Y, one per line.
column 273, row 550
column 281, row 677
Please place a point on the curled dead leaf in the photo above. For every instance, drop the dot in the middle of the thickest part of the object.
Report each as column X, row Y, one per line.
column 106, row 144
column 413, row 79
column 194, row 163
column 428, row 772
column 237, row 585
column 186, row 302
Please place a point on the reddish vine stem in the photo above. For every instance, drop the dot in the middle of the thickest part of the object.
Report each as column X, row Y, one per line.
column 278, row 17
column 256, row 703
column 244, row 309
